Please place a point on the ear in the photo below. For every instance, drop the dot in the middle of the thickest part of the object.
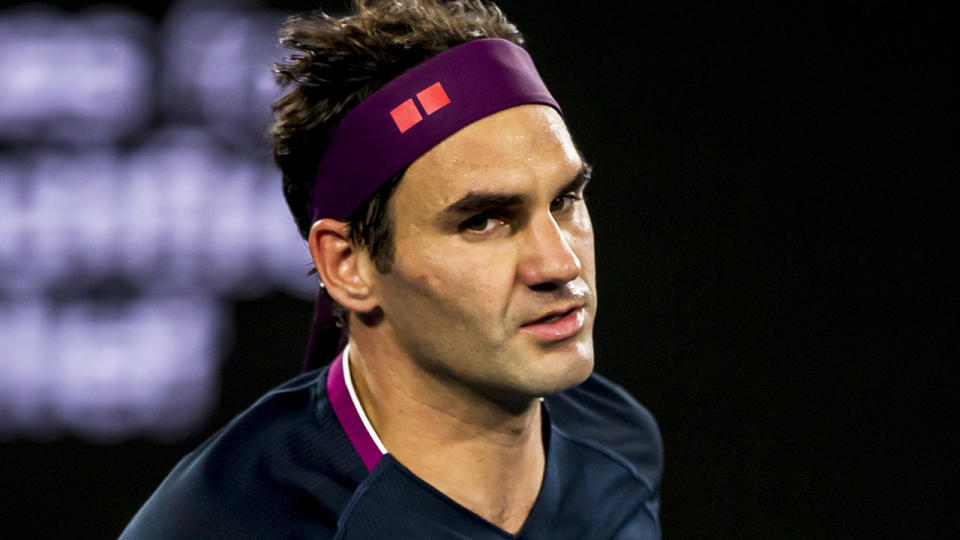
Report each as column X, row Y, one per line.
column 344, row 269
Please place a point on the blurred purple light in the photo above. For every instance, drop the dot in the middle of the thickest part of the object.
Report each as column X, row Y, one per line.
column 107, row 370
column 123, row 224
column 82, row 79
column 217, row 59
column 179, row 213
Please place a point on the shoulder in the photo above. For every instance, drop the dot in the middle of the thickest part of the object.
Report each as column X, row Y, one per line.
column 287, row 415
column 602, row 414
column 274, row 466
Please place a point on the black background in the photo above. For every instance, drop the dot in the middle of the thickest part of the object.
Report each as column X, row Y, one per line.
column 772, row 202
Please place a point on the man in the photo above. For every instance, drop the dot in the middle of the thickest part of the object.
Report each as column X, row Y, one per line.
column 441, row 197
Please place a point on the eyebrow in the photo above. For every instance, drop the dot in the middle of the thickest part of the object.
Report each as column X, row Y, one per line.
column 476, row 202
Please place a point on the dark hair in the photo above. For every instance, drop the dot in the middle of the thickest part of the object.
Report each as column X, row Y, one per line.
column 339, row 62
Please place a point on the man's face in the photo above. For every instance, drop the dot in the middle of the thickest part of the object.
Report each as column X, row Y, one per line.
column 492, row 235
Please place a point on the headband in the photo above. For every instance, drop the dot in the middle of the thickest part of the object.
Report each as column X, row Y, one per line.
column 413, row 113
column 402, row 121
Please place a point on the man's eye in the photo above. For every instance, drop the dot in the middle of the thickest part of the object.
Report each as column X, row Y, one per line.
column 482, row 223
column 563, row 202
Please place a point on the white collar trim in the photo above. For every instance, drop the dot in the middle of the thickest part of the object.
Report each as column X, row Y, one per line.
column 356, row 402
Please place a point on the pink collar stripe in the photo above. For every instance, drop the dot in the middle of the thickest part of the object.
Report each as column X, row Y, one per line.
column 349, row 417
column 416, row 111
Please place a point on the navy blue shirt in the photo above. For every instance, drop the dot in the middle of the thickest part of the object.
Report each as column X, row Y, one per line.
column 285, row 468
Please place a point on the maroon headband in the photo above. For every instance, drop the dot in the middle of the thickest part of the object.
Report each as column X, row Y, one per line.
column 416, row 111
column 402, row 121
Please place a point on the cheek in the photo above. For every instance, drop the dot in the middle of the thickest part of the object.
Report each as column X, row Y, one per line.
column 471, row 279
column 467, row 287
column 461, row 283
column 581, row 240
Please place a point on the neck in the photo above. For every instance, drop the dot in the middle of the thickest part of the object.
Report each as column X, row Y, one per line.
column 486, row 456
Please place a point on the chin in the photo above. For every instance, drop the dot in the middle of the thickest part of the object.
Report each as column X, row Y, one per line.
column 563, row 369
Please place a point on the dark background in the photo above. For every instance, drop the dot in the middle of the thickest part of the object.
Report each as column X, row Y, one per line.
column 772, row 235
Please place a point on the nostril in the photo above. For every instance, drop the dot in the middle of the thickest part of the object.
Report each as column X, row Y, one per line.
column 545, row 287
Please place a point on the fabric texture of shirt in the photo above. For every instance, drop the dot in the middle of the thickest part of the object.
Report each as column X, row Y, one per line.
column 285, row 468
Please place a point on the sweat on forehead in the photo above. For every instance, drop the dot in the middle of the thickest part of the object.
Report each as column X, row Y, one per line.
column 415, row 112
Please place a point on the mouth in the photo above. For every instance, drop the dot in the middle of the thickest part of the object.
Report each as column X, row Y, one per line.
column 552, row 317
column 556, row 325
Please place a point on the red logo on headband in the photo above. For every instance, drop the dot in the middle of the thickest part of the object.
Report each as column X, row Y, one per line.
column 406, row 115
column 432, row 99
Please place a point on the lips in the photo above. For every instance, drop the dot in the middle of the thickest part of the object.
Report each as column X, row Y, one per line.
column 551, row 318
column 556, row 325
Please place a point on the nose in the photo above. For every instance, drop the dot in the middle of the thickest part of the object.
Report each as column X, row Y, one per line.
column 548, row 260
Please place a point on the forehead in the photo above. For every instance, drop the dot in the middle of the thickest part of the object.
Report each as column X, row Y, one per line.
column 525, row 149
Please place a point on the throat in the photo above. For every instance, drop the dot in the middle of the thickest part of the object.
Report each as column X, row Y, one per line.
column 487, row 454
column 503, row 493
column 496, row 478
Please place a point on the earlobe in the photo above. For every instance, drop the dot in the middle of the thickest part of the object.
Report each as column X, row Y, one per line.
column 341, row 265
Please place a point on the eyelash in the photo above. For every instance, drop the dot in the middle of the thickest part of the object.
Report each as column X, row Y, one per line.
column 571, row 197
column 502, row 215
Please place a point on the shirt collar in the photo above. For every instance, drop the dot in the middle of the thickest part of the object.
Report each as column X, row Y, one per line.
column 350, row 413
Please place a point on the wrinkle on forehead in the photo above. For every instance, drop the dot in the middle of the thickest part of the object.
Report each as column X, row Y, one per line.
column 497, row 152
